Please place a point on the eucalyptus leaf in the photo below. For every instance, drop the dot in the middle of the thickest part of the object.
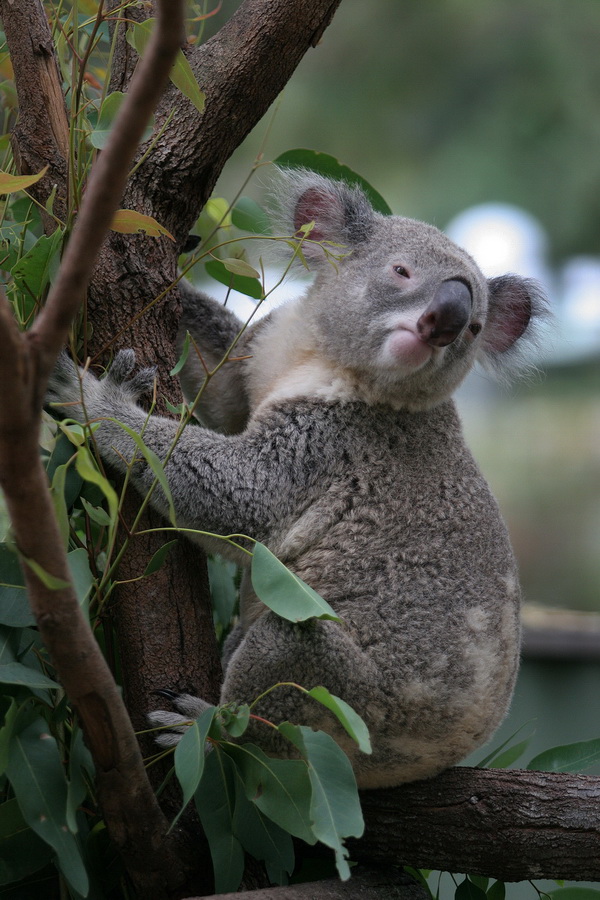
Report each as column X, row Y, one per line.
column 329, row 166
column 575, row 893
column 138, row 35
column 335, row 808
column 215, row 802
column 240, row 267
column 108, row 113
column 497, row 891
column 567, row 758
column 189, row 757
column 35, row 269
column 251, row 287
column 23, row 852
column 280, row 788
column 247, row 215
column 80, row 763
column 345, row 715
column 467, row 890
column 37, row 777
column 14, row 605
column 158, row 558
column 259, row 836
column 17, row 673
column 283, row 592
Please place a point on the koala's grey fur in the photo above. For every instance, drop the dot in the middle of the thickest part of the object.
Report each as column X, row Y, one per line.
column 336, row 444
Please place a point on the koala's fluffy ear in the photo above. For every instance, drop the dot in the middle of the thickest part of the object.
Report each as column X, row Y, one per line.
column 342, row 213
column 517, row 308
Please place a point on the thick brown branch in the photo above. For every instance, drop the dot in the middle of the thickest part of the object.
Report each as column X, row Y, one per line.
column 510, row 825
column 365, row 884
column 41, row 136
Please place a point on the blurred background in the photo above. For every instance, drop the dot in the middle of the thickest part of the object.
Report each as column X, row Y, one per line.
column 484, row 119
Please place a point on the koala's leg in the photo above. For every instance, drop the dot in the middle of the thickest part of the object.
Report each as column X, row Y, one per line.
column 309, row 654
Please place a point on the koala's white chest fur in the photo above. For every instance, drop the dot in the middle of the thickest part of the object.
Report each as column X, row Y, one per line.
column 286, row 363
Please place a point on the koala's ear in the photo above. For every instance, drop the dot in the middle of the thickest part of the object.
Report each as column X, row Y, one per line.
column 342, row 213
column 516, row 310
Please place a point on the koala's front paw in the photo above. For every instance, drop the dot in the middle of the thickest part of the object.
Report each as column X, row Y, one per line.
column 117, row 378
column 78, row 394
column 65, row 388
column 177, row 722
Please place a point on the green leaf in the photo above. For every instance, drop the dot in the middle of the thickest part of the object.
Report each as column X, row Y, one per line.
column 511, row 755
column 283, row 592
column 33, row 272
column 81, row 574
column 14, row 605
column 85, row 465
column 329, row 166
column 467, row 890
column 280, row 788
column 497, row 891
column 190, row 754
column 480, row 881
column 184, row 355
column 80, row 761
column 251, row 287
column 345, row 715
column 6, row 731
column 52, row 582
column 108, row 113
column 223, row 590
column 249, row 216
column 17, row 673
column 138, row 35
column 575, row 893
column 568, row 758
column 23, row 852
column 335, row 808
column 159, row 557
column 259, row 836
column 38, row 780
column 57, row 490
column 215, row 802
column 234, row 718
column 496, row 752
column 96, row 513
column 240, row 267
column 155, row 464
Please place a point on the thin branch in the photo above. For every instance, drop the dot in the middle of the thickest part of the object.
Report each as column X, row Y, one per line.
column 132, row 814
column 106, row 186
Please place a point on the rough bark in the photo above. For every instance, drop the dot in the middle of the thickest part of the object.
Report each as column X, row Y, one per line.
column 510, row 825
column 241, row 70
column 384, row 883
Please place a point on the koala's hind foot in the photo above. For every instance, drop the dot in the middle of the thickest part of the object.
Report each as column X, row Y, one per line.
column 177, row 723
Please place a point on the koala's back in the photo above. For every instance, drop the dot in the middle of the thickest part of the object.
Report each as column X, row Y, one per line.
column 391, row 521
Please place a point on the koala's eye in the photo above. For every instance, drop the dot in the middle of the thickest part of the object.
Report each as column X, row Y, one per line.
column 474, row 328
column 402, row 271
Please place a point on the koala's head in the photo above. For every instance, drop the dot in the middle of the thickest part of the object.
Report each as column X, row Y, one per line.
column 406, row 311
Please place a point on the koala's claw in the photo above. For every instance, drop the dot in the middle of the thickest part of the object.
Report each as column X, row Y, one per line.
column 189, row 708
column 122, row 367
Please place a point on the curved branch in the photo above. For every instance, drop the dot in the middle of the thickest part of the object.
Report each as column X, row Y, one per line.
column 132, row 814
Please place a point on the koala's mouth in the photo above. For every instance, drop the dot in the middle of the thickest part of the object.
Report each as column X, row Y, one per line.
column 405, row 350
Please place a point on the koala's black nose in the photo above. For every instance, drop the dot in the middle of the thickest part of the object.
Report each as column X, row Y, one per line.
column 446, row 315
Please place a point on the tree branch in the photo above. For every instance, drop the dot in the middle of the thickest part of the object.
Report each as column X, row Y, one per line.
column 132, row 814
column 41, row 135
column 510, row 825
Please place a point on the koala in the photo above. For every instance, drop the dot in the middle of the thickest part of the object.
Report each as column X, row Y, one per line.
column 333, row 439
